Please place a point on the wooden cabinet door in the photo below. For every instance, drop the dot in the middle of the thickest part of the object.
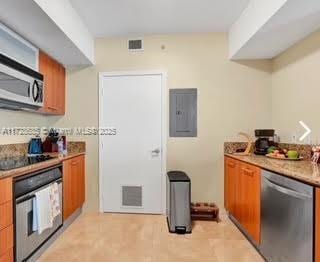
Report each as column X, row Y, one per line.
column 317, row 226
column 231, row 173
column 47, row 70
column 8, row 256
column 226, row 185
column 6, row 240
column 73, row 185
column 5, row 190
column 250, row 191
column 61, row 90
column 78, row 177
column 81, row 180
column 54, row 82
column 67, row 189
column 6, row 214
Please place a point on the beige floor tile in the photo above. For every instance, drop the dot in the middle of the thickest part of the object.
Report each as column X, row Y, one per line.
column 234, row 250
column 145, row 238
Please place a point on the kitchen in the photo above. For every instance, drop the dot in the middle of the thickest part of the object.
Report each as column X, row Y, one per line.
column 242, row 84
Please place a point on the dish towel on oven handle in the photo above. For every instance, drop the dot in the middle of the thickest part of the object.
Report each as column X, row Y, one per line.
column 42, row 213
column 46, row 206
column 54, row 200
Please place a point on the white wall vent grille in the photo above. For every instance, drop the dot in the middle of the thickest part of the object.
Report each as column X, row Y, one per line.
column 135, row 45
column 132, row 196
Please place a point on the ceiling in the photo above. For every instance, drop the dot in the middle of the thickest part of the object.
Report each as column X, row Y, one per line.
column 294, row 21
column 106, row 18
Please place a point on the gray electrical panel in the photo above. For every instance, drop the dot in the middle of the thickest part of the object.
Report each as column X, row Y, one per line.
column 183, row 112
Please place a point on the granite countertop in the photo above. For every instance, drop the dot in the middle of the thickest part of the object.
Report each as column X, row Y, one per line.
column 74, row 149
column 38, row 166
column 303, row 170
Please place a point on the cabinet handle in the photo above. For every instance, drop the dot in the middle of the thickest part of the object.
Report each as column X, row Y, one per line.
column 53, row 108
column 247, row 171
column 74, row 163
column 231, row 164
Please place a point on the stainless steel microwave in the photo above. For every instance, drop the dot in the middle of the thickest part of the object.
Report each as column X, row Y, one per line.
column 21, row 88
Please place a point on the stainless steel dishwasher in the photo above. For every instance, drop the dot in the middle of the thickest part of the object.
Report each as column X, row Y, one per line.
column 287, row 219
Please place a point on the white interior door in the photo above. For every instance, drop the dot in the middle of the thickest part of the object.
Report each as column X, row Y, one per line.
column 131, row 161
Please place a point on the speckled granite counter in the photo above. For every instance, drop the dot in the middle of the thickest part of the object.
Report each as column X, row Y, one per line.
column 74, row 149
column 303, row 170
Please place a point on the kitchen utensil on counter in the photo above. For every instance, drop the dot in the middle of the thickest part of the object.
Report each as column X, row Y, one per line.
column 35, row 146
column 315, row 154
column 50, row 143
column 264, row 141
column 247, row 151
column 62, row 145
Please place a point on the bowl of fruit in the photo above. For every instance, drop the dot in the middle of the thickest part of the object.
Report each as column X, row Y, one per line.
column 284, row 154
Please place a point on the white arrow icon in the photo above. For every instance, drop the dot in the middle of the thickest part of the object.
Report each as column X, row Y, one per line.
column 308, row 130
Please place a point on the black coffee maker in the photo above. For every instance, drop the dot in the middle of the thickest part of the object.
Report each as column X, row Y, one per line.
column 264, row 140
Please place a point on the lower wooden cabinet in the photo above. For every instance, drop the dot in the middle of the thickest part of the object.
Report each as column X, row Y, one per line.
column 5, row 190
column 6, row 214
column 6, row 240
column 6, row 221
column 8, row 256
column 230, row 185
column 73, row 185
column 317, row 226
column 242, row 195
column 249, row 196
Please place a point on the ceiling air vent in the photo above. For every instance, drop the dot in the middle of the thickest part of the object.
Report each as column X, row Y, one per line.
column 135, row 45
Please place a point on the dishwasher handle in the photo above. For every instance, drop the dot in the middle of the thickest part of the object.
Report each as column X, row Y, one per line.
column 285, row 190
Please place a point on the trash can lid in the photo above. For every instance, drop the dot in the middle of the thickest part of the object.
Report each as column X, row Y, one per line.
column 178, row 176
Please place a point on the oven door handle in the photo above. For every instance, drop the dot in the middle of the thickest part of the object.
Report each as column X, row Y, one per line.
column 28, row 197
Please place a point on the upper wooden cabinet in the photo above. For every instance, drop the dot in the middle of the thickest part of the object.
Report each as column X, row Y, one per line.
column 242, row 195
column 73, row 185
column 54, row 81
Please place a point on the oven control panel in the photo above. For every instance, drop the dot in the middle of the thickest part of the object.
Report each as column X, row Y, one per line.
column 36, row 181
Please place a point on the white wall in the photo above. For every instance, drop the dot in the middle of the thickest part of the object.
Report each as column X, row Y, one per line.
column 232, row 97
column 296, row 89
column 9, row 119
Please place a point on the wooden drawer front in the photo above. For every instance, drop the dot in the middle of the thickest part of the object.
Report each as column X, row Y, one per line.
column 8, row 256
column 6, row 240
column 6, row 213
column 5, row 190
